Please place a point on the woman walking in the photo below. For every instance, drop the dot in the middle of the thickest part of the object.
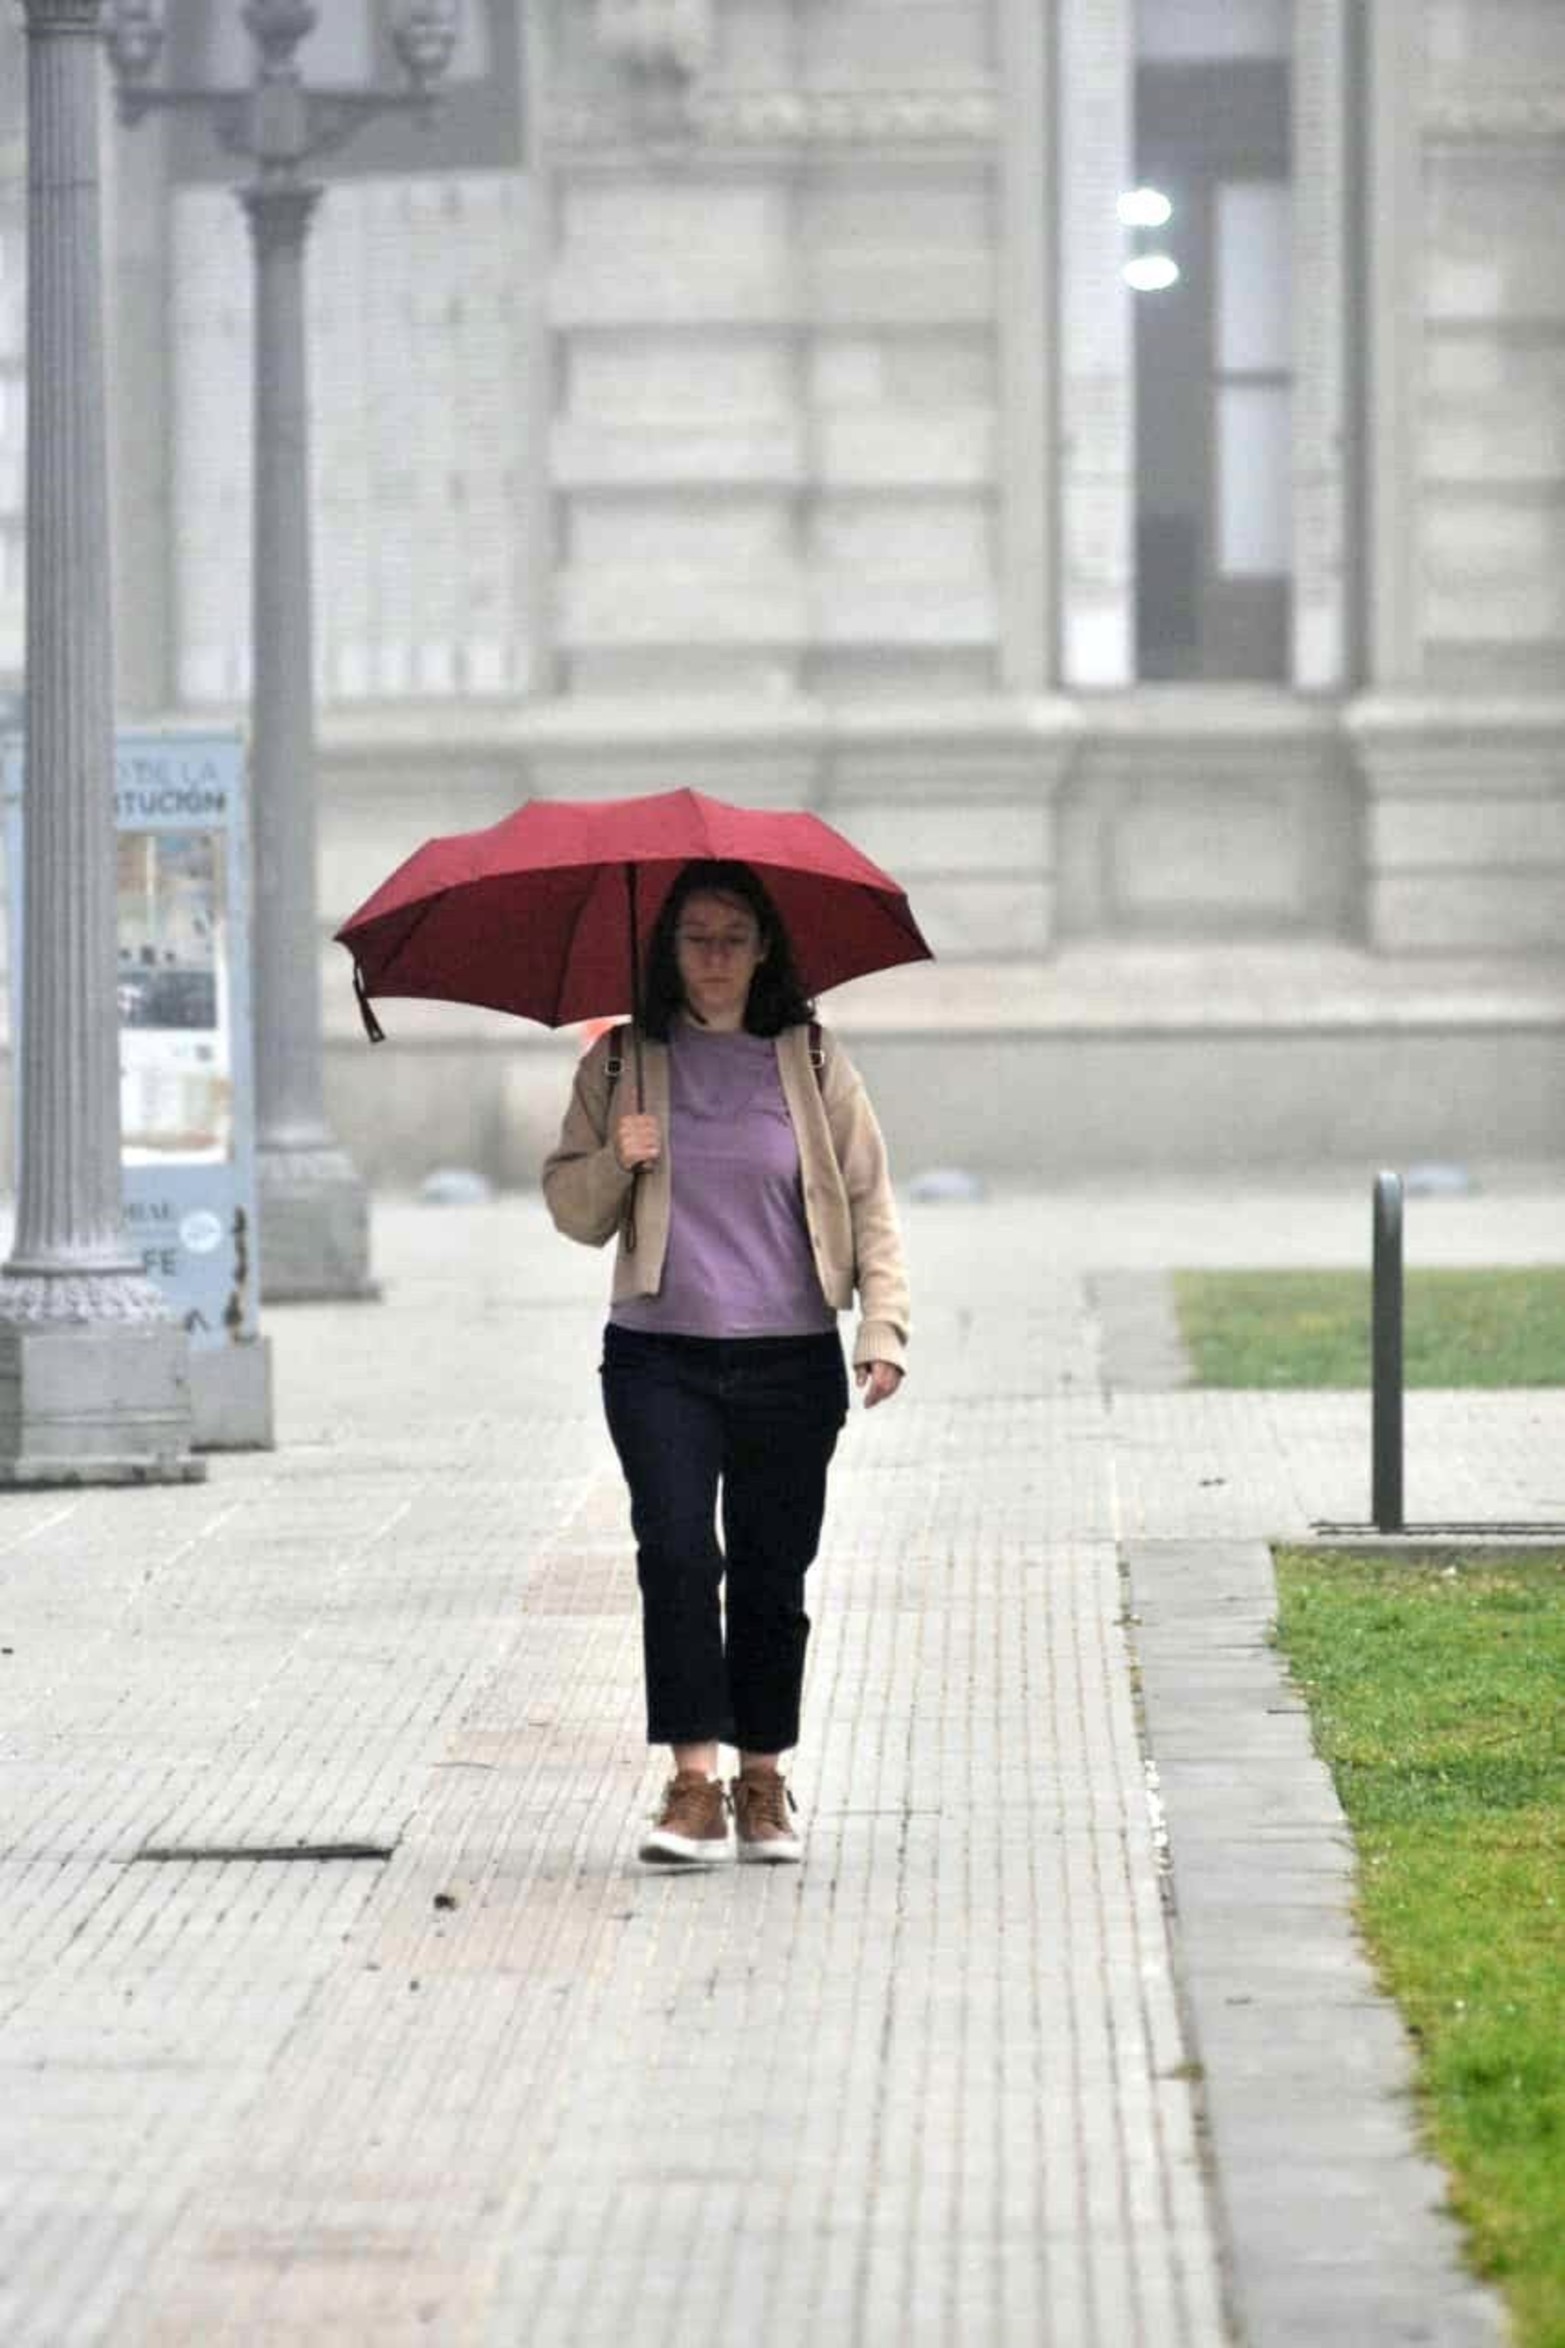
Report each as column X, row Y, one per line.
column 750, row 1197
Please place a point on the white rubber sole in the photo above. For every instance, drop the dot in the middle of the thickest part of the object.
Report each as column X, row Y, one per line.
column 663, row 1849
column 772, row 1854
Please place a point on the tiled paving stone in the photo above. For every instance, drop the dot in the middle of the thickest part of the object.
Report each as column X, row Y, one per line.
column 926, row 2088
column 1231, row 1465
column 932, row 2086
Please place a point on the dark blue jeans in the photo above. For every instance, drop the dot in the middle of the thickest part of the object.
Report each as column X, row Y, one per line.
column 757, row 1419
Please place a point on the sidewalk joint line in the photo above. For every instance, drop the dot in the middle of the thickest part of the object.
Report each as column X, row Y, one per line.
column 170, row 1854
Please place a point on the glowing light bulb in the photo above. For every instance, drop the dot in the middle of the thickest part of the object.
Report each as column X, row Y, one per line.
column 1151, row 272
column 1145, row 208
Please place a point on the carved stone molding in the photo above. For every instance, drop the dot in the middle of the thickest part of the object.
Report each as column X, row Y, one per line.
column 805, row 118
column 62, row 16
column 280, row 216
column 652, row 36
column 1534, row 723
column 1494, row 117
column 52, row 1300
column 660, row 48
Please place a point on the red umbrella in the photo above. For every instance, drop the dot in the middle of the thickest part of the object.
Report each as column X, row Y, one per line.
column 536, row 914
column 542, row 914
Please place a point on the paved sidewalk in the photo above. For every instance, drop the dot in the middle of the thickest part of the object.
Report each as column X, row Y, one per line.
column 503, row 2085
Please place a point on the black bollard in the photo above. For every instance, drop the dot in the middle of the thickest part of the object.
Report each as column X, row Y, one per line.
column 1387, row 1349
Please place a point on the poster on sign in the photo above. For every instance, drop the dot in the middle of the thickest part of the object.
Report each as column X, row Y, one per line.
column 176, row 1030
column 187, row 1119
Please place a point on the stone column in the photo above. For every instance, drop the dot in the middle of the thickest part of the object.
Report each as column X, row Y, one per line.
column 94, row 1374
column 1096, row 48
column 141, row 423
column 540, row 388
column 1394, row 323
column 1027, row 646
column 1321, row 429
column 314, row 1207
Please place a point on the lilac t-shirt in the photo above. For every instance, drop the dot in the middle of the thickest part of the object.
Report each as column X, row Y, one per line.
column 739, row 1262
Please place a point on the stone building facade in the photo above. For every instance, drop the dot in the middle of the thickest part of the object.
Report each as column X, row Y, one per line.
column 752, row 393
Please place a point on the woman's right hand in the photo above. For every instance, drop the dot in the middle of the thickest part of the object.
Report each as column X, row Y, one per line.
column 638, row 1142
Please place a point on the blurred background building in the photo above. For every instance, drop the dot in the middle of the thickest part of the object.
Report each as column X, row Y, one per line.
column 1109, row 455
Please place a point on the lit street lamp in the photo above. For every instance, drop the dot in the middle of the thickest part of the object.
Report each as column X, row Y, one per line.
column 313, row 1203
column 94, row 1370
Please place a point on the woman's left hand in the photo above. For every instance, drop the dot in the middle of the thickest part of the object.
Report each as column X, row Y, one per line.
column 879, row 1380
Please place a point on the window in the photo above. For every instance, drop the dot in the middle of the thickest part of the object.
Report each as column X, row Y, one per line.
column 1210, row 236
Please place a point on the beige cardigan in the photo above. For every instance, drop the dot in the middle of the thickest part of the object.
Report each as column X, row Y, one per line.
column 848, row 1205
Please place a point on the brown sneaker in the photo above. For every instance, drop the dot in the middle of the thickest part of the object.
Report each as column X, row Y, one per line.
column 761, row 1805
column 691, row 1827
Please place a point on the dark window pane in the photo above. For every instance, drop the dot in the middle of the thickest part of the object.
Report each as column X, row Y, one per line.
column 1213, row 460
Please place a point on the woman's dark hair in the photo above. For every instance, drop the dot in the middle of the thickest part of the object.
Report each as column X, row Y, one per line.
column 777, row 998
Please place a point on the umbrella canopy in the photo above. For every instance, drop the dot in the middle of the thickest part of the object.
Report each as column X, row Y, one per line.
column 541, row 914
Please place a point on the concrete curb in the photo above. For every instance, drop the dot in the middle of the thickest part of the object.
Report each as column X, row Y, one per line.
column 1331, row 2212
column 1407, row 1548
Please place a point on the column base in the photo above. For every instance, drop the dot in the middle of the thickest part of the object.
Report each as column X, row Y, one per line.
column 315, row 1228
column 95, row 1405
column 231, row 1396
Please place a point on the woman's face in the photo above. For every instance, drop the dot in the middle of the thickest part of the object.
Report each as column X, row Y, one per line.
column 718, row 950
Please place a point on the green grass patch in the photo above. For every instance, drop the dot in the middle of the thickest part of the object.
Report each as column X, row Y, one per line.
column 1437, row 1692
column 1460, row 1328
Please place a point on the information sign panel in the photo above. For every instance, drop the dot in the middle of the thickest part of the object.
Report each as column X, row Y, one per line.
column 186, row 1093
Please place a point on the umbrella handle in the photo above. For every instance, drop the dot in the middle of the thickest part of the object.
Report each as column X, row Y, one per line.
column 372, row 1026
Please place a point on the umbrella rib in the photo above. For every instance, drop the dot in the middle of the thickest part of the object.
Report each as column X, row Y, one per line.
column 577, row 918
column 422, row 914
